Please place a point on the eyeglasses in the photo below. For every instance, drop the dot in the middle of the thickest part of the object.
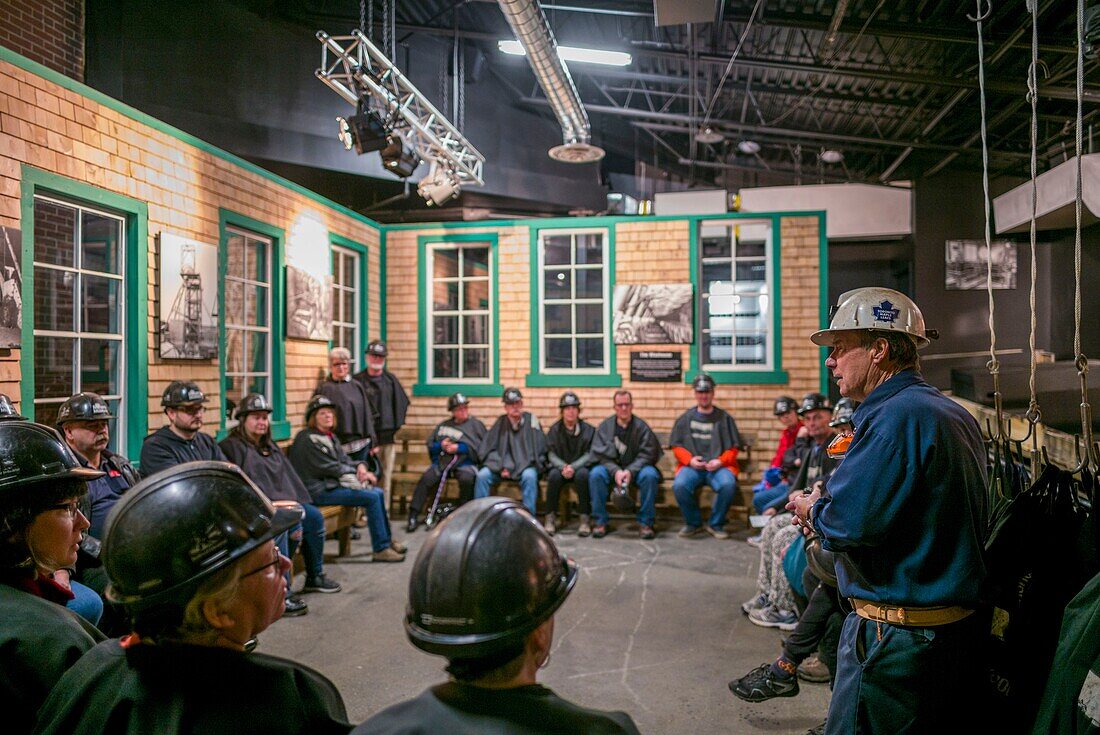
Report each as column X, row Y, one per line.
column 276, row 562
column 623, row 405
column 72, row 507
column 341, row 363
column 191, row 410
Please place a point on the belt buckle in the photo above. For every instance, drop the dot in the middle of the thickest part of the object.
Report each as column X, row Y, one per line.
column 902, row 618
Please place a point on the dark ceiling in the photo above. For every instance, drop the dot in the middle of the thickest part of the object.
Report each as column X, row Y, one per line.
column 891, row 84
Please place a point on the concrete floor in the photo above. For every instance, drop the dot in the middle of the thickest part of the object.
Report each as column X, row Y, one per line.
column 651, row 628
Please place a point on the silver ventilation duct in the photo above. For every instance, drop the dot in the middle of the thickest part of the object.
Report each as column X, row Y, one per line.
column 532, row 30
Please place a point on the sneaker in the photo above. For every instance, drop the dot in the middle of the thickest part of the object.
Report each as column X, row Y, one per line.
column 689, row 531
column 770, row 617
column 646, row 533
column 760, row 685
column 717, row 533
column 585, row 529
column 550, row 523
column 754, row 541
column 321, row 584
column 413, row 524
column 813, row 670
column 757, row 603
column 819, row 730
column 599, row 531
column 295, row 606
column 389, row 554
column 399, row 547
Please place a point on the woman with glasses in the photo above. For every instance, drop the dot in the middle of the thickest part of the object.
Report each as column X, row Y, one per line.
column 191, row 556
column 41, row 488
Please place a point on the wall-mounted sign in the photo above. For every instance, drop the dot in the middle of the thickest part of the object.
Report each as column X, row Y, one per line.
column 656, row 367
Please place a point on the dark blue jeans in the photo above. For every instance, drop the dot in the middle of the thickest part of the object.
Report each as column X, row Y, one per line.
column 370, row 500
column 721, row 481
column 647, row 479
column 310, row 535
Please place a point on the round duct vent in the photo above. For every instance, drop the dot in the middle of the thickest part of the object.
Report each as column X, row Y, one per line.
column 576, row 153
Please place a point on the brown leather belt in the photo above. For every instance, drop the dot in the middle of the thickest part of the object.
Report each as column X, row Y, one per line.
column 919, row 617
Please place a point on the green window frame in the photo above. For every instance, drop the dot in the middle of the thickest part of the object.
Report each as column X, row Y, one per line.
column 134, row 383
column 228, row 222
column 540, row 375
column 427, row 385
column 360, row 311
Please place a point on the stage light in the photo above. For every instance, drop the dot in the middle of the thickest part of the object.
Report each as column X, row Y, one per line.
column 709, row 135
column 399, row 157
column 573, row 53
column 439, row 186
column 365, row 131
column 831, row 156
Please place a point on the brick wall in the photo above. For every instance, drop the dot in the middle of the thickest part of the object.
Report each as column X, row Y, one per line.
column 646, row 252
column 50, row 32
column 61, row 131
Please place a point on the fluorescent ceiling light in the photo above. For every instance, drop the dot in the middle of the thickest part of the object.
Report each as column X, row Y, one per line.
column 572, row 53
column 831, row 156
column 749, row 147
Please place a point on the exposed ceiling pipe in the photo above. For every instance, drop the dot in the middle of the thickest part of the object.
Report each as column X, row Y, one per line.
column 533, row 31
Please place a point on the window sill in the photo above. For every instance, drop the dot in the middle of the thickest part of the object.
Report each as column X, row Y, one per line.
column 745, row 377
column 478, row 390
column 542, row 380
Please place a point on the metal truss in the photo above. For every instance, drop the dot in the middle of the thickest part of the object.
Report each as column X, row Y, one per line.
column 352, row 66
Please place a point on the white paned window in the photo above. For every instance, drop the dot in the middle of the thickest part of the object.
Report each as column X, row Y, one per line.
column 247, row 309
column 573, row 297
column 736, row 294
column 345, row 303
column 460, row 313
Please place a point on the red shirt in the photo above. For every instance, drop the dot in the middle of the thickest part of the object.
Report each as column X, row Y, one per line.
column 786, row 441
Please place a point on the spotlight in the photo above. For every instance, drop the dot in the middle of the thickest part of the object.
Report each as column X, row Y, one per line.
column 399, row 157
column 831, row 156
column 365, row 131
column 750, row 147
column 708, row 135
column 439, row 186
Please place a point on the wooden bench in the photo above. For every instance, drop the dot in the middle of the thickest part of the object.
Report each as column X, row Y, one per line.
column 412, row 459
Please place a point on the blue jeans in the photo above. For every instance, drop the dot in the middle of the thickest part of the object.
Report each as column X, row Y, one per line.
column 599, row 485
column 372, row 501
column 763, row 496
column 528, row 484
column 87, row 603
column 721, row 481
column 310, row 536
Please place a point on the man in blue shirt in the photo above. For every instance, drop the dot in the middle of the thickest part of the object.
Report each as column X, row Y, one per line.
column 906, row 513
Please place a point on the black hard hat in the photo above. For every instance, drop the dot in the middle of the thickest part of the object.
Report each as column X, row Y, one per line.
column 511, row 395
column 316, row 404
column 785, row 404
column 842, row 414
column 31, row 452
column 174, row 529
column 569, row 398
column 813, row 402
column 703, row 383
column 253, row 403
column 182, row 392
column 456, row 400
column 85, row 406
column 377, row 348
column 8, row 412
column 485, row 578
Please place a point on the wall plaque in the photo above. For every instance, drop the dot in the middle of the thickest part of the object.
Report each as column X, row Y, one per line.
column 656, row 367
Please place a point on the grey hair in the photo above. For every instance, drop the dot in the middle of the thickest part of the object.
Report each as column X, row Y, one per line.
column 339, row 352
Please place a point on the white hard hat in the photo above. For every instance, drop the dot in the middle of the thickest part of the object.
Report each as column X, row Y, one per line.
column 874, row 308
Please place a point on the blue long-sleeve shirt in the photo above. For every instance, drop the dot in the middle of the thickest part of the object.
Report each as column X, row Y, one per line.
column 907, row 505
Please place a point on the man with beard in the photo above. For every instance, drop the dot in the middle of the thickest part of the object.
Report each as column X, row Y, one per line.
column 388, row 402
column 181, row 440
column 514, row 449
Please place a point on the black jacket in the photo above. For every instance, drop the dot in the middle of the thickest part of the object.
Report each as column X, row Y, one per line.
column 468, row 435
column 640, row 448
column 164, row 448
column 319, row 461
column 570, row 448
column 268, row 468
column 514, row 449
column 354, row 417
column 705, row 435
column 187, row 690
column 388, row 401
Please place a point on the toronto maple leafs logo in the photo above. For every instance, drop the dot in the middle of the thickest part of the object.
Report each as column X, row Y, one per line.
column 885, row 312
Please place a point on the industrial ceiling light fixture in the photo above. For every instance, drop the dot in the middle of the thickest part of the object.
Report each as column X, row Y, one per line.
column 439, row 186
column 709, row 135
column 399, row 158
column 830, row 155
column 365, row 131
column 749, row 147
column 573, row 53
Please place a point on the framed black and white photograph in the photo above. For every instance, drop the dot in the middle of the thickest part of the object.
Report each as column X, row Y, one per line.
column 968, row 267
column 11, row 288
column 188, row 298
column 309, row 280
column 653, row 314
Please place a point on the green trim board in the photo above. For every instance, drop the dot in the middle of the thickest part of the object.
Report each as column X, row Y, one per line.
column 280, row 426
column 823, row 291
column 382, row 294
column 133, row 113
column 423, row 387
column 364, row 287
column 609, row 378
column 605, row 221
column 136, row 310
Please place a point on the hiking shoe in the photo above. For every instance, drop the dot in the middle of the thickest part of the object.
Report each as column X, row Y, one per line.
column 321, row 584
column 770, row 617
column 757, row 603
column 599, row 531
column 585, row 529
column 819, row 730
column 717, row 533
column 645, row 533
column 760, row 685
column 550, row 523
column 689, row 531
column 295, row 607
column 754, row 541
column 813, row 670
column 399, row 547
column 388, row 554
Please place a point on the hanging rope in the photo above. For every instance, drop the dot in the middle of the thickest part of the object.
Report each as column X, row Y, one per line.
column 1034, row 415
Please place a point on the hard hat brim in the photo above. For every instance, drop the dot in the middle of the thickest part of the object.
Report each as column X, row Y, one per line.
column 827, row 337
